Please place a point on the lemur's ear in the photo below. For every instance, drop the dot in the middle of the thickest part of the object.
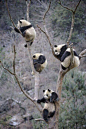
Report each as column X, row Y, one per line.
column 20, row 21
column 43, row 90
column 49, row 90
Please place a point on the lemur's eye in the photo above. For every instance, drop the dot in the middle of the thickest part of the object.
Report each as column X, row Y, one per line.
column 55, row 50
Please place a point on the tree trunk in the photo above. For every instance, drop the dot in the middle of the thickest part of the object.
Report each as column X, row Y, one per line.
column 36, row 88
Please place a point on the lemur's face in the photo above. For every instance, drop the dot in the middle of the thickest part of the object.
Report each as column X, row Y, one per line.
column 47, row 94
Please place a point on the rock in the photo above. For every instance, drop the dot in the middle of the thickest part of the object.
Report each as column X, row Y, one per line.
column 16, row 120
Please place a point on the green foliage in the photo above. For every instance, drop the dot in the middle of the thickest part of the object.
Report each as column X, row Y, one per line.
column 73, row 110
column 3, row 78
column 2, row 53
column 3, row 121
column 61, row 22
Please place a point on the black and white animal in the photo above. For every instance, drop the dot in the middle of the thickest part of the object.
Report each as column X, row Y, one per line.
column 27, row 31
column 59, row 50
column 39, row 62
column 49, row 98
column 66, row 59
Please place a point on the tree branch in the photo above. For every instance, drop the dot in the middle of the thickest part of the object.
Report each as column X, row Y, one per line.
column 71, row 29
column 19, row 82
column 46, row 36
column 81, row 55
column 6, row 68
column 47, row 10
column 73, row 17
column 39, row 119
column 77, row 6
column 64, row 6
column 14, row 58
column 28, row 6
column 11, row 17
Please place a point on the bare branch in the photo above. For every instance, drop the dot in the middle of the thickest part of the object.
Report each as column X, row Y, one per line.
column 30, row 58
column 73, row 17
column 72, row 58
column 82, row 54
column 39, row 119
column 14, row 58
column 47, row 10
column 9, row 14
column 64, row 6
column 77, row 6
column 28, row 6
column 71, row 29
column 19, row 82
column 6, row 68
column 46, row 36
column 11, row 17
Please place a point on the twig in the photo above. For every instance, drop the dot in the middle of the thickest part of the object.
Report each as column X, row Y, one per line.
column 6, row 68
column 73, row 17
column 26, row 93
column 47, row 10
column 14, row 58
column 20, row 84
column 9, row 14
column 39, row 119
column 82, row 54
column 64, row 6
column 77, row 6
column 11, row 17
column 46, row 36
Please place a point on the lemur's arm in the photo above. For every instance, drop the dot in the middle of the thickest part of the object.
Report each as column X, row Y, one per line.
column 43, row 100
column 53, row 97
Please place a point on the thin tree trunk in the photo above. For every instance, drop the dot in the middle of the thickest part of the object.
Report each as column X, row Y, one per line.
column 36, row 88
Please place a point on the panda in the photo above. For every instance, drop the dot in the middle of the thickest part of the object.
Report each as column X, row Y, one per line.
column 59, row 50
column 39, row 62
column 27, row 31
column 49, row 99
column 66, row 58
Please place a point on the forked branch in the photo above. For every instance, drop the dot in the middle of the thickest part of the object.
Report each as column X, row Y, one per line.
column 18, row 80
column 73, row 17
column 46, row 36
column 46, row 28
column 64, row 6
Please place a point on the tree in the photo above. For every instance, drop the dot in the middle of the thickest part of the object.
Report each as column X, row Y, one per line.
column 61, row 72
